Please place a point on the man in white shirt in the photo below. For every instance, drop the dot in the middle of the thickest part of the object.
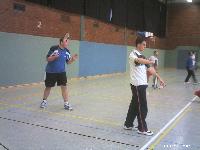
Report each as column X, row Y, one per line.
column 154, row 58
column 139, row 66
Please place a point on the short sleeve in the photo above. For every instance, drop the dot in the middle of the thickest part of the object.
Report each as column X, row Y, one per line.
column 68, row 56
column 132, row 57
column 52, row 49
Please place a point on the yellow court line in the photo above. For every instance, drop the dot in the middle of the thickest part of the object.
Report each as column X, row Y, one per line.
column 166, row 132
column 36, row 84
column 18, row 86
column 73, row 116
column 64, row 114
column 4, row 107
column 71, row 79
column 26, row 95
column 56, row 91
column 22, row 97
column 24, row 102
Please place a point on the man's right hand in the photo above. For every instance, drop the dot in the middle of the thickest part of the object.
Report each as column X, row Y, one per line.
column 55, row 55
column 151, row 62
column 162, row 83
column 52, row 57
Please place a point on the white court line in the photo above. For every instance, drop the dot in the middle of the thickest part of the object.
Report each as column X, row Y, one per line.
column 167, row 125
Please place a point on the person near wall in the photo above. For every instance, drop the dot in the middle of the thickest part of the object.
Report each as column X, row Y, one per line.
column 190, row 66
column 55, row 70
column 154, row 58
column 139, row 66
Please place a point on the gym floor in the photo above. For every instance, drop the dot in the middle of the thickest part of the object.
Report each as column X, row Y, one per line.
column 100, row 106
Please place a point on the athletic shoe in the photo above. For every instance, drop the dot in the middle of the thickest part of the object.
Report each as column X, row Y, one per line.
column 43, row 104
column 148, row 133
column 68, row 107
column 154, row 86
column 185, row 83
column 130, row 128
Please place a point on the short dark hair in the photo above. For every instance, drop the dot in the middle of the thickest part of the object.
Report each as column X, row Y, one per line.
column 190, row 53
column 62, row 38
column 193, row 52
column 139, row 40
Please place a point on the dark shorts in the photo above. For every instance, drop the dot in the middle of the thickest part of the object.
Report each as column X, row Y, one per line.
column 53, row 78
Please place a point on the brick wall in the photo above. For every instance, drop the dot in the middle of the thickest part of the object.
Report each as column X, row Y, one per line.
column 183, row 25
column 54, row 23
column 103, row 32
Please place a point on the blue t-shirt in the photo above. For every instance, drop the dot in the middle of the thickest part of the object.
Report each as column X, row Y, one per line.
column 58, row 65
column 189, row 63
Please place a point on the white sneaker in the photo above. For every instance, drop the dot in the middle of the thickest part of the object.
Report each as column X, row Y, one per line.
column 68, row 107
column 148, row 133
column 185, row 83
column 43, row 104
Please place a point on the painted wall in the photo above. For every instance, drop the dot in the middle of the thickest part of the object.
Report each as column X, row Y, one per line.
column 98, row 58
column 170, row 59
column 177, row 57
column 23, row 58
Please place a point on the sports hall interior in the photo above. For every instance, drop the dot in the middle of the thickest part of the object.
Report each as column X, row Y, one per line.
column 103, row 34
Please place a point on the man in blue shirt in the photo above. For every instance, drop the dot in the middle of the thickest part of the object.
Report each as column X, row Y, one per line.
column 55, row 71
column 190, row 69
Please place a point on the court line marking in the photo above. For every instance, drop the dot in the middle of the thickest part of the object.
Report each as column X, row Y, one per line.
column 4, row 146
column 69, row 132
column 71, row 79
column 60, row 114
column 168, row 130
column 79, row 124
column 168, row 124
column 63, row 114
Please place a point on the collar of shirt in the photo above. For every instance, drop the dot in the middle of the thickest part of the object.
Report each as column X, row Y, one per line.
column 136, row 51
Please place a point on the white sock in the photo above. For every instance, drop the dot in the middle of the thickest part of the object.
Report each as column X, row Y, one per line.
column 66, row 103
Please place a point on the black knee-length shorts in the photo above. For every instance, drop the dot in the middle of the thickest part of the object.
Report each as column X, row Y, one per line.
column 53, row 78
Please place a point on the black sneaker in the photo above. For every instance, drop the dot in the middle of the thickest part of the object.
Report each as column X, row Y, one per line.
column 130, row 128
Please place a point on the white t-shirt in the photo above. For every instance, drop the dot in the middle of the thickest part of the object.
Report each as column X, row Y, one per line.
column 193, row 59
column 138, row 72
column 154, row 59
